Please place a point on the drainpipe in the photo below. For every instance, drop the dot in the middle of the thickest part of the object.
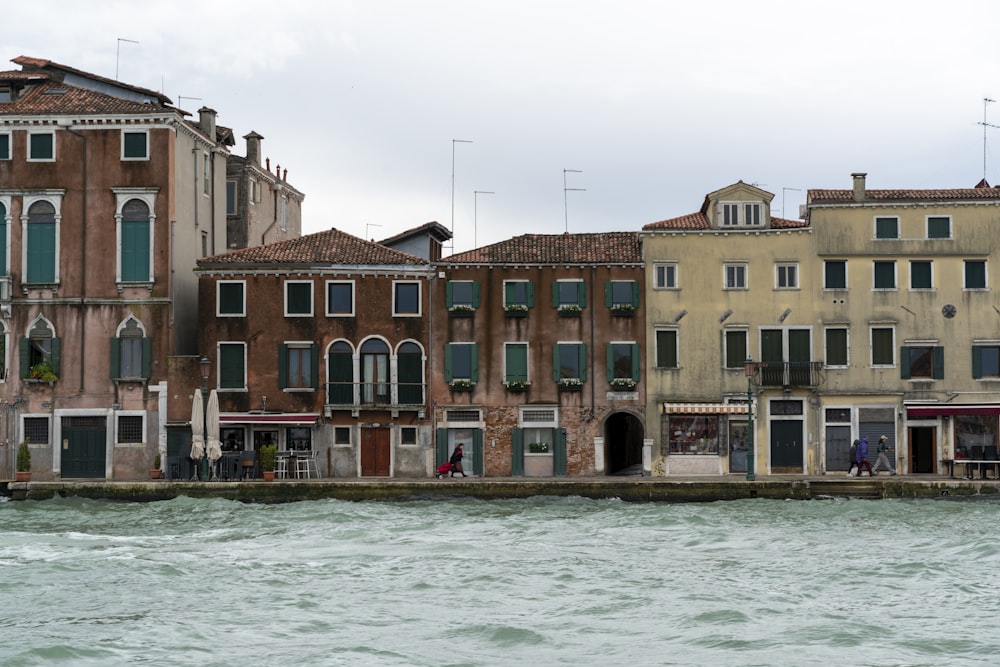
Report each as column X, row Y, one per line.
column 67, row 124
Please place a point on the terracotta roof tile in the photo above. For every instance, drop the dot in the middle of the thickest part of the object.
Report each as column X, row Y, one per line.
column 598, row 248
column 330, row 247
column 700, row 221
column 30, row 64
column 957, row 194
column 51, row 97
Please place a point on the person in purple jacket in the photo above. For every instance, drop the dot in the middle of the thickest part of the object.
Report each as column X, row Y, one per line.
column 863, row 456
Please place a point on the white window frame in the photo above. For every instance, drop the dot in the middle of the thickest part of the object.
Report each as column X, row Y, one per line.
column 664, row 267
column 895, row 275
column 826, row 347
column 527, row 358
column 206, row 179
column 847, row 277
column 218, row 298
column 740, row 208
column 130, row 413
column 875, row 235
column 726, row 266
column 54, row 197
column 656, row 347
column 927, row 228
column 420, row 298
column 302, row 346
column 122, row 196
column 254, row 187
column 354, row 300
column 871, row 346
column 910, row 264
column 145, row 133
column 218, row 366
column 312, row 298
column 788, row 269
column 10, row 147
column 35, row 133
column 745, row 330
column 986, row 275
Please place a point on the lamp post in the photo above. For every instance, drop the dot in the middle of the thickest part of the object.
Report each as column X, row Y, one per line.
column 206, row 369
column 750, row 368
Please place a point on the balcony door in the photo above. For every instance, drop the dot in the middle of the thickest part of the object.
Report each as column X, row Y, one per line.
column 375, row 372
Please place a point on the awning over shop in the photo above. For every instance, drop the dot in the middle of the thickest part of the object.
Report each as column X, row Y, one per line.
column 917, row 410
column 705, row 408
column 273, row 418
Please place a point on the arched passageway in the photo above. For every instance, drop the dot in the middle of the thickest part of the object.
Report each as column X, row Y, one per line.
column 623, row 436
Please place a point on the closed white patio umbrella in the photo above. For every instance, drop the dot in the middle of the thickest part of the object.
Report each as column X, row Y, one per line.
column 197, row 431
column 212, row 443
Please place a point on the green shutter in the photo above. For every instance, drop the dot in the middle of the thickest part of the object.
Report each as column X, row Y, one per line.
column 555, row 362
column 799, row 347
column 938, row 361
column 517, row 452
column 635, row 293
column 583, row 362
column 447, row 362
column 609, row 296
column 55, row 360
column 904, row 362
column 477, row 451
column 147, row 358
column 116, row 356
column 555, row 293
column 474, row 362
column 977, row 362
column 581, row 294
column 611, row 362
column 441, row 446
column 475, row 295
column 314, row 366
column 282, row 366
column 559, row 453
column 24, row 355
column 135, row 251
column 449, row 294
column 635, row 361
column 41, row 253
column 529, row 294
column 3, row 224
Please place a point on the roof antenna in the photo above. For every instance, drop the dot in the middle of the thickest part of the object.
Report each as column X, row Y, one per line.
column 119, row 52
column 985, row 125
column 565, row 190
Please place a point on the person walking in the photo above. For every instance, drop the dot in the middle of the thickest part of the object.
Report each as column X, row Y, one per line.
column 862, row 457
column 852, row 458
column 456, row 461
column 883, row 457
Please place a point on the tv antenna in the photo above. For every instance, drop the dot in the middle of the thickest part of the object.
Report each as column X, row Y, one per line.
column 986, row 102
column 565, row 190
column 118, row 52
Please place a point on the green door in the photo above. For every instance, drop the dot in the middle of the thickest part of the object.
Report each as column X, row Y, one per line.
column 84, row 447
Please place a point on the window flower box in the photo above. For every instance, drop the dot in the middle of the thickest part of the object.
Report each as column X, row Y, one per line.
column 42, row 372
column 570, row 310
column 515, row 310
column 538, row 448
column 623, row 384
column 570, row 384
column 462, row 385
column 516, row 386
column 461, row 311
column 623, row 310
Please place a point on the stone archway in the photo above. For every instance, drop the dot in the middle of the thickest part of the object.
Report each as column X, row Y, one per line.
column 623, row 437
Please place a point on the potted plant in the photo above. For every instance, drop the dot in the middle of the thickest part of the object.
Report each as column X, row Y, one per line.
column 515, row 310
column 462, row 310
column 623, row 384
column 570, row 384
column 569, row 310
column 623, row 310
column 538, row 448
column 268, row 456
column 23, row 473
column 462, row 385
column 154, row 472
column 516, row 386
column 42, row 372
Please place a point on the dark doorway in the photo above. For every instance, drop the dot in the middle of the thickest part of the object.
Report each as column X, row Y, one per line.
column 623, row 435
column 922, row 446
column 84, row 451
column 786, row 446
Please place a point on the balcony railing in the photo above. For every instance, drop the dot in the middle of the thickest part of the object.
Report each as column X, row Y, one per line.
column 404, row 395
column 790, row 373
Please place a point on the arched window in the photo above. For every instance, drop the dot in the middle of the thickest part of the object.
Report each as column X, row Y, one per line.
column 131, row 352
column 410, row 371
column 135, row 241
column 340, row 374
column 41, row 243
column 375, row 372
column 40, row 352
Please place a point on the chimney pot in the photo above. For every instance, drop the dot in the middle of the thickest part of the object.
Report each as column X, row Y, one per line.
column 859, row 186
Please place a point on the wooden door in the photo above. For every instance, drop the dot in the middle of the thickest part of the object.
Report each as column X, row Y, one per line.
column 375, row 452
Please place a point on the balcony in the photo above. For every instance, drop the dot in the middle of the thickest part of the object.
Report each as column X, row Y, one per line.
column 357, row 396
column 790, row 373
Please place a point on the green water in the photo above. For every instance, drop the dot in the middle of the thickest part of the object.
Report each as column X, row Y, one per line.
column 535, row 582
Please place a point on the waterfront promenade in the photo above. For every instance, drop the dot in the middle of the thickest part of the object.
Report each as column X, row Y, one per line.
column 630, row 489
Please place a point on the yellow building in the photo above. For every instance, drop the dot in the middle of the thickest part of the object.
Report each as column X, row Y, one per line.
column 872, row 315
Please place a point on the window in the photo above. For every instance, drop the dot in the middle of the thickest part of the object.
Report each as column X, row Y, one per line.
column 836, row 346
column 621, row 295
column 375, row 372
column 340, row 298
column 342, row 435
column 42, row 239
column 232, row 366
column 135, row 145
column 518, row 294
column 883, row 346
column 41, row 147
column 340, row 374
column 410, row 373
column 974, row 435
column 408, row 435
column 732, row 214
column 298, row 438
column 131, row 352
column 692, row 434
column 134, row 226
column 40, row 352
column 922, row 362
column 406, row 299
column 666, row 348
column 975, row 274
column 254, row 191
column 4, row 228
column 736, row 348
column 569, row 362
column 232, row 188
column 569, row 294
column 284, row 212
column 665, row 275
column 298, row 298
column 298, row 365
column 920, row 275
column 231, row 298
column 515, row 362
column 735, row 276
column 786, row 276
column 623, row 361
column 206, row 173
column 461, row 362
column 787, row 354
column 3, row 353
column 986, row 361
column 884, row 274
column 129, row 429
column 887, row 228
column 939, row 227
column 834, row 274
column 462, row 295
column 36, row 429
column 4, row 145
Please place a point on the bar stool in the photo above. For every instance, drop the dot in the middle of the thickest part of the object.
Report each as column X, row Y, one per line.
column 304, row 465
column 248, row 462
column 281, row 466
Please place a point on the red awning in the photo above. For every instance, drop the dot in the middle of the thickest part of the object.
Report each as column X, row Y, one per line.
column 279, row 418
column 951, row 409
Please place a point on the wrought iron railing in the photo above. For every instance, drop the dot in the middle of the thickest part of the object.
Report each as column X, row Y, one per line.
column 790, row 373
column 383, row 394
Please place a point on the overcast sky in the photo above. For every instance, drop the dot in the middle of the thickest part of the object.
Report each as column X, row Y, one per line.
column 652, row 104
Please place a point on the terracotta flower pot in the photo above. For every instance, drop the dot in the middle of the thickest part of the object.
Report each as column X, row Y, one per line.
column 268, row 475
column 22, row 476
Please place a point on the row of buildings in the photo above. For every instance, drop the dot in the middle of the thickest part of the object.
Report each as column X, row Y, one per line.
column 723, row 341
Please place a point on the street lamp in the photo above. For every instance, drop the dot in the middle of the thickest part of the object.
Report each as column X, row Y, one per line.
column 750, row 368
column 206, row 370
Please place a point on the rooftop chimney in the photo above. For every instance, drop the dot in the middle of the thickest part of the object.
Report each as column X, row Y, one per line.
column 859, row 186
column 206, row 118
column 253, row 147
